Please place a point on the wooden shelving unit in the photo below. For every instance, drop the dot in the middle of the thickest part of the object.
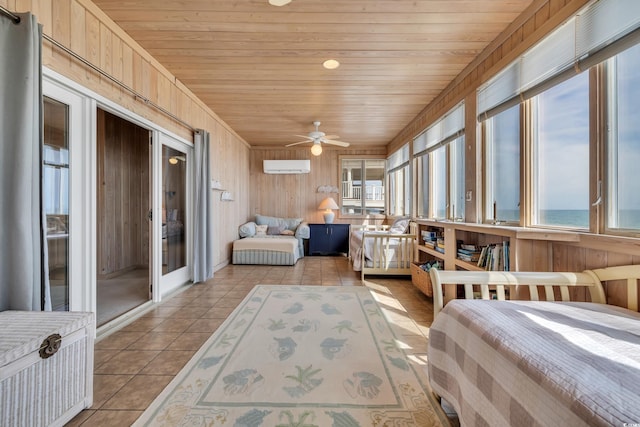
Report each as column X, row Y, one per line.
column 486, row 234
column 527, row 246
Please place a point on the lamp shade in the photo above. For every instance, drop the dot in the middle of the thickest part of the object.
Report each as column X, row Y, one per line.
column 328, row 204
column 316, row 149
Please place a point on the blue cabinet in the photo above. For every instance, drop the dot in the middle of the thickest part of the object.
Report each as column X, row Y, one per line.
column 329, row 239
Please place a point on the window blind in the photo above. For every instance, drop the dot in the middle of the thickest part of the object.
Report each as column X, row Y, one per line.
column 601, row 30
column 398, row 159
column 444, row 130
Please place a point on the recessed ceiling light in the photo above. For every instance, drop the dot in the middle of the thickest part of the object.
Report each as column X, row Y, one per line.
column 330, row 64
column 279, row 2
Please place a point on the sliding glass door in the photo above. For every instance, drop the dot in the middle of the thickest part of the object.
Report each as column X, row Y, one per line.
column 117, row 199
column 174, row 207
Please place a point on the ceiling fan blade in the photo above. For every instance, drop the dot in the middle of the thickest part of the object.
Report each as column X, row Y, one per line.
column 304, row 136
column 338, row 143
column 331, row 137
column 296, row 143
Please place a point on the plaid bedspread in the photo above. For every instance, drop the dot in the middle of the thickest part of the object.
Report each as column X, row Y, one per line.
column 524, row 363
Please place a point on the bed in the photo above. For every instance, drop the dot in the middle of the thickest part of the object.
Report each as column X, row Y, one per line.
column 382, row 250
column 526, row 363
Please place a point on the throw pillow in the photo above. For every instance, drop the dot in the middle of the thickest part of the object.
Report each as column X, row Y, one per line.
column 261, row 230
column 274, row 230
column 287, row 233
column 247, row 230
column 399, row 226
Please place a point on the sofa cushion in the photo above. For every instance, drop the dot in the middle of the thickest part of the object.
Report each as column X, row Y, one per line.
column 247, row 229
column 287, row 223
column 261, row 230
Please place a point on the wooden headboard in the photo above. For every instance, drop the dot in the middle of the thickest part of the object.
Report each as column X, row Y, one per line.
column 502, row 285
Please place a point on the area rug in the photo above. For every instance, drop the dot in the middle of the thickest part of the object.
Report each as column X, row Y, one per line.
column 299, row 356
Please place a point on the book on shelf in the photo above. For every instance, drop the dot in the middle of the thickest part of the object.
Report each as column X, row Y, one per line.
column 430, row 244
column 469, row 258
column 469, row 253
column 429, row 235
column 496, row 262
column 495, row 257
column 505, row 256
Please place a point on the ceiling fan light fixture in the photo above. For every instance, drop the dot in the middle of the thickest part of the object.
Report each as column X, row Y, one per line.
column 331, row 64
column 279, row 2
column 316, row 149
column 173, row 160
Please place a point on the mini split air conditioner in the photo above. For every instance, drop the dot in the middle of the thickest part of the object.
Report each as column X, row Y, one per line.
column 286, row 166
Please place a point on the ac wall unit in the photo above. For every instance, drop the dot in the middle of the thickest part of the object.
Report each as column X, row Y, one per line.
column 286, row 166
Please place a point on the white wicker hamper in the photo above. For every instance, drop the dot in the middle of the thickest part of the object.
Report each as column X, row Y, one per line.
column 46, row 366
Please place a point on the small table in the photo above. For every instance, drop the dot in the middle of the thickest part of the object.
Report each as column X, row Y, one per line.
column 329, row 239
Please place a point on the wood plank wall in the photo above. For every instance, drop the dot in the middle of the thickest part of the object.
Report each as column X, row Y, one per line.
column 123, row 195
column 86, row 30
column 296, row 196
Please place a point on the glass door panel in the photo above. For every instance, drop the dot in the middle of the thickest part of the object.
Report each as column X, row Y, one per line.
column 174, row 209
column 56, row 199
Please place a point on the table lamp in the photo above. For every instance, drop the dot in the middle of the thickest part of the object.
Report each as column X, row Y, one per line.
column 327, row 205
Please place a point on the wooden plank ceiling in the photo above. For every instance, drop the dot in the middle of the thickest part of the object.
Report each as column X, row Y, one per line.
column 259, row 67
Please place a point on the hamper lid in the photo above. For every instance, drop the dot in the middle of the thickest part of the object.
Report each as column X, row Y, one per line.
column 22, row 332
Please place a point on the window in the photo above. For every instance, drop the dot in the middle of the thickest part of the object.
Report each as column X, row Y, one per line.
column 439, row 183
column 422, row 176
column 399, row 182
column 457, row 185
column 440, row 170
column 439, row 162
column 399, row 194
column 502, row 166
column 623, row 154
column 558, row 134
column 561, row 154
column 362, row 187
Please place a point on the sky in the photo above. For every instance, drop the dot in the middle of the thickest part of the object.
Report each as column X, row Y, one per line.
column 563, row 114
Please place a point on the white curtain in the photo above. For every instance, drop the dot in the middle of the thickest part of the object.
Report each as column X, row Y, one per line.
column 23, row 267
column 203, row 221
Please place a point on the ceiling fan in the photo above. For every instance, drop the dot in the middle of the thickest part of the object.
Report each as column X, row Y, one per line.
column 318, row 137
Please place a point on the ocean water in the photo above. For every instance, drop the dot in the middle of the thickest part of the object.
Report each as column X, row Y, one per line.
column 564, row 218
column 627, row 219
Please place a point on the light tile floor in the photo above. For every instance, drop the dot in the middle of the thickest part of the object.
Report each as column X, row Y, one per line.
column 135, row 363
